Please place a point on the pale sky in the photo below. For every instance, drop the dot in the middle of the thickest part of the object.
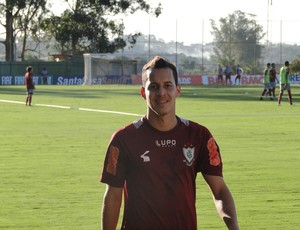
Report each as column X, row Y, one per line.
column 188, row 20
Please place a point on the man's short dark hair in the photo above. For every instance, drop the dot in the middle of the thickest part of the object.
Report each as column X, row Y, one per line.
column 28, row 68
column 158, row 63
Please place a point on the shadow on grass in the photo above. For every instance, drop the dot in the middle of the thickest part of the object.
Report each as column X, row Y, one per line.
column 226, row 93
column 73, row 91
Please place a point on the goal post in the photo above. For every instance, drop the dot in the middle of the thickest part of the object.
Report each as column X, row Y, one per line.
column 87, row 69
column 107, row 69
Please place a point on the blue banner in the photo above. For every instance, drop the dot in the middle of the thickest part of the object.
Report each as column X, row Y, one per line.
column 38, row 80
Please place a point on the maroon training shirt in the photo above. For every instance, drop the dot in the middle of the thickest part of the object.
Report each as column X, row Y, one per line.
column 28, row 80
column 158, row 171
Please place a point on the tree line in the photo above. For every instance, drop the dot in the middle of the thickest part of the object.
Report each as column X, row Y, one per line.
column 85, row 26
column 91, row 26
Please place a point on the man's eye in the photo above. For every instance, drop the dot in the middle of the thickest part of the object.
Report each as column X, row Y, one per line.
column 152, row 87
column 169, row 86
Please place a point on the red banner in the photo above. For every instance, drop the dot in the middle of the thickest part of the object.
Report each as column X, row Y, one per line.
column 212, row 80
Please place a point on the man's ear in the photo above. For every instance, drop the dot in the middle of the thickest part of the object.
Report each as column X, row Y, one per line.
column 142, row 91
column 178, row 89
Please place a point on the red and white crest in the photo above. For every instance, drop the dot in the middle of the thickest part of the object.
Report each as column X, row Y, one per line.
column 189, row 153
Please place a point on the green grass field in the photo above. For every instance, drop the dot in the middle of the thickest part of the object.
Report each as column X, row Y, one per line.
column 51, row 158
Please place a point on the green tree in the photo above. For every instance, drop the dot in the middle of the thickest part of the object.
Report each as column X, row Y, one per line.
column 237, row 40
column 28, row 22
column 295, row 65
column 91, row 25
column 20, row 20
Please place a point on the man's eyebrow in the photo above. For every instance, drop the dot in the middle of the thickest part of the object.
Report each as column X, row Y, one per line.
column 155, row 82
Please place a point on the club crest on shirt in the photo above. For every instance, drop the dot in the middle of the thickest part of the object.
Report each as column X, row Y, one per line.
column 189, row 154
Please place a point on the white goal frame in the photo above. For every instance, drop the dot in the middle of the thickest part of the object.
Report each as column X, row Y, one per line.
column 99, row 67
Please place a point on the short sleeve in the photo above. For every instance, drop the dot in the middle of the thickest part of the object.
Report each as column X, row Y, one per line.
column 115, row 163
column 210, row 161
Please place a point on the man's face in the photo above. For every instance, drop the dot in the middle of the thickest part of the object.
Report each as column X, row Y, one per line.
column 160, row 92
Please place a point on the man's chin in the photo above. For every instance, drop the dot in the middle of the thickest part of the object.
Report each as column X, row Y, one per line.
column 161, row 113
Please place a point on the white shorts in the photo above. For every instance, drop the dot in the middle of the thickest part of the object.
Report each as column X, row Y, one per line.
column 285, row 87
column 30, row 91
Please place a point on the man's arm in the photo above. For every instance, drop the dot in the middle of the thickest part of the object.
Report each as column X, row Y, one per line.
column 287, row 74
column 111, row 207
column 223, row 200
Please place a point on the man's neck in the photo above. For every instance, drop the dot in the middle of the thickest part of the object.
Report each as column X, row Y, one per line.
column 162, row 123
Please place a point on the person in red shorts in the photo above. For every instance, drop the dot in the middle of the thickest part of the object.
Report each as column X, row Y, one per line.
column 154, row 161
column 29, row 85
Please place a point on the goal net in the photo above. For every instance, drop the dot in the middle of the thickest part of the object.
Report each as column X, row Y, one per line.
column 107, row 69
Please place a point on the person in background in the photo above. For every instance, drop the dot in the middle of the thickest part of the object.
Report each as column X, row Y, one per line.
column 29, row 85
column 220, row 75
column 285, row 83
column 239, row 72
column 273, row 80
column 227, row 73
column 44, row 74
column 267, row 87
column 155, row 161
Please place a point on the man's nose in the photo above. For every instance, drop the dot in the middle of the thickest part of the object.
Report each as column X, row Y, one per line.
column 161, row 91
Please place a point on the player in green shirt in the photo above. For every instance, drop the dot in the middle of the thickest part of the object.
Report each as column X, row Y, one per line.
column 285, row 83
column 267, row 86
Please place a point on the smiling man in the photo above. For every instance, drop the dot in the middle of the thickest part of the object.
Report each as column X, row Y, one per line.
column 155, row 161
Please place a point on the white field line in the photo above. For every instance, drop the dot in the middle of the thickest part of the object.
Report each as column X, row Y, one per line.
column 139, row 115
column 15, row 102
column 54, row 106
column 108, row 111
column 81, row 109
column 247, row 115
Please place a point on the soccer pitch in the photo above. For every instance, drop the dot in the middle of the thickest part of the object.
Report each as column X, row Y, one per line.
column 51, row 154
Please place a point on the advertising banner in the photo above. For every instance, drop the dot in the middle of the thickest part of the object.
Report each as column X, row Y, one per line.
column 137, row 80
